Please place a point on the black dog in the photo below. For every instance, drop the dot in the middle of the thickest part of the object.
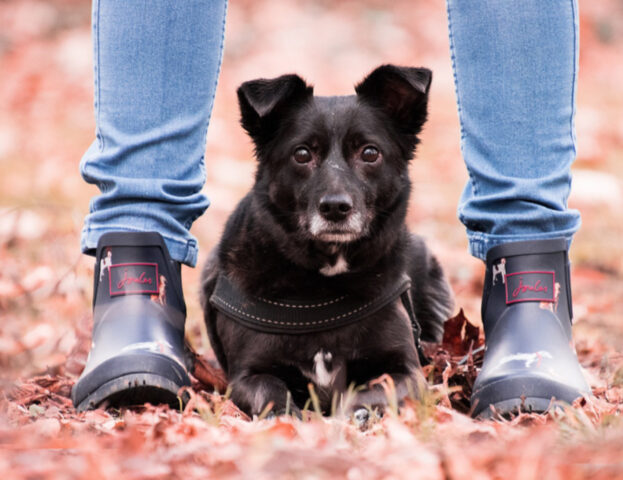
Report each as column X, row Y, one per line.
column 316, row 278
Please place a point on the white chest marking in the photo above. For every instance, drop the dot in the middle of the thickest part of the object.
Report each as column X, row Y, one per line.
column 324, row 377
column 340, row 266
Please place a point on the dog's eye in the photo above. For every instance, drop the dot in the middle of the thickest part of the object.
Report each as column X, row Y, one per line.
column 370, row 154
column 302, row 155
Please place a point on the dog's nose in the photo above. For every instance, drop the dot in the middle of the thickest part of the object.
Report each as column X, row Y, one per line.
column 335, row 207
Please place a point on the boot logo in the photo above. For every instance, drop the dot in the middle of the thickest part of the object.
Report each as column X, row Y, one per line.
column 530, row 287
column 499, row 269
column 133, row 278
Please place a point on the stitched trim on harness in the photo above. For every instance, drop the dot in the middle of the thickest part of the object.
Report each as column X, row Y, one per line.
column 275, row 322
column 289, row 317
column 295, row 316
column 315, row 305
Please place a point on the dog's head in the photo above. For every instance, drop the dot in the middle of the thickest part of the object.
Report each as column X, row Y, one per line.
column 332, row 168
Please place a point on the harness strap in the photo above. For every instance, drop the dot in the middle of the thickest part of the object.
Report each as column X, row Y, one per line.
column 296, row 316
column 407, row 302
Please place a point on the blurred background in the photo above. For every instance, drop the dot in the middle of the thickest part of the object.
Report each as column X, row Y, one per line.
column 47, row 122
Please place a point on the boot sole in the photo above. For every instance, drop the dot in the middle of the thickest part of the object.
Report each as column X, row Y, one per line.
column 131, row 380
column 514, row 395
column 515, row 406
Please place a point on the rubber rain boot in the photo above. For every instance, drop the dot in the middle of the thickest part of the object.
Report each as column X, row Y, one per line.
column 526, row 311
column 137, row 353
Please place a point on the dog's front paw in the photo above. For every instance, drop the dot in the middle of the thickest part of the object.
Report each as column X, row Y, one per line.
column 368, row 400
column 362, row 418
column 385, row 393
column 292, row 411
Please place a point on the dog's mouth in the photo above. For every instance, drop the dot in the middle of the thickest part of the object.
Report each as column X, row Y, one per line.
column 346, row 231
column 337, row 237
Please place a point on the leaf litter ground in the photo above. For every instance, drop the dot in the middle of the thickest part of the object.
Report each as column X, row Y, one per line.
column 43, row 436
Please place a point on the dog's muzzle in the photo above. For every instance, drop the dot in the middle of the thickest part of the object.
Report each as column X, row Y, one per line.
column 336, row 220
column 347, row 230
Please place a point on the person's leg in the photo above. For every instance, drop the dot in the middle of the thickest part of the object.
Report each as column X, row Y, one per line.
column 515, row 67
column 156, row 69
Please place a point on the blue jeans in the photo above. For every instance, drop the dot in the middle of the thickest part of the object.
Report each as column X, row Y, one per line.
column 515, row 69
column 156, row 67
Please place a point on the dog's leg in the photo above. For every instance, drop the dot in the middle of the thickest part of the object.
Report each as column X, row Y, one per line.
column 253, row 393
column 378, row 397
column 432, row 297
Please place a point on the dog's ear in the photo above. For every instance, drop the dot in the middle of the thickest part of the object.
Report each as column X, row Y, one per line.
column 262, row 101
column 401, row 92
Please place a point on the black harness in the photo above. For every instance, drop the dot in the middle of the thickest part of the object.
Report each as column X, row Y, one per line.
column 295, row 317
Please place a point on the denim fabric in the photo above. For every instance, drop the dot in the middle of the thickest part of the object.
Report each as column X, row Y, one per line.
column 156, row 69
column 515, row 67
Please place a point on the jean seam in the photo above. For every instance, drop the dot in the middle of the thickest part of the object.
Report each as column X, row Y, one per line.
column 511, row 237
column 114, row 227
column 575, row 20
column 480, row 243
column 189, row 221
column 218, row 72
column 190, row 246
column 472, row 180
column 96, row 74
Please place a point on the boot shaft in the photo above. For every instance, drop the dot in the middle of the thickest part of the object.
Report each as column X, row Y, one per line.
column 532, row 271
column 136, row 264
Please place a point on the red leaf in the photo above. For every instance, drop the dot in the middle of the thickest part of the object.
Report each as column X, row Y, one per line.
column 459, row 335
column 209, row 375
